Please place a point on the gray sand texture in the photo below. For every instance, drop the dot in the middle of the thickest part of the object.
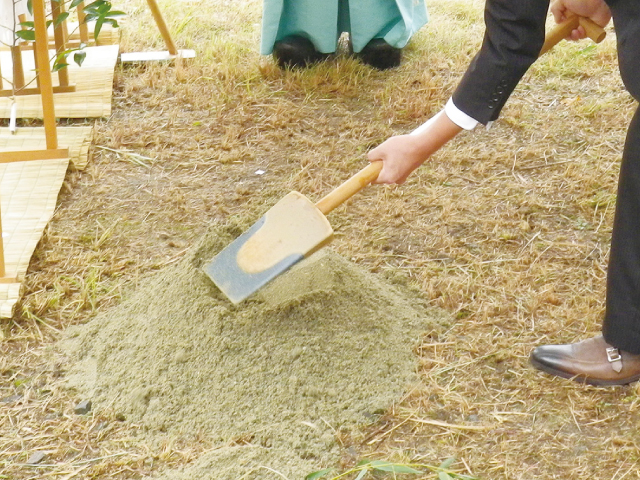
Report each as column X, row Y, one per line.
column 320, row 349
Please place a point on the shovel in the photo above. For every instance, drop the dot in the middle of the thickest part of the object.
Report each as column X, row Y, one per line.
column 294, row 228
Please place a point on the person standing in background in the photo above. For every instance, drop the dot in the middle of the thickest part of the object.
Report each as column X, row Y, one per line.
column 301, row 32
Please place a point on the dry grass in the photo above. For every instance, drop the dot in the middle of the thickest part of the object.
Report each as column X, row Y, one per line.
column 506, row 229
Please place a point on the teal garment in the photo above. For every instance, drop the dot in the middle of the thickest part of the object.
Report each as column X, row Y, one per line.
column 322, row 21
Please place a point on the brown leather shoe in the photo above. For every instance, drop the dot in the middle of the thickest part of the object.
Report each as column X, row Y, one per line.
column 591, row 361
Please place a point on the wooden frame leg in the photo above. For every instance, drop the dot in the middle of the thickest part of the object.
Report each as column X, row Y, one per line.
column 57, row 8
column 157, row 15
column 18, row 69
column 84, row 30
column 44, row 73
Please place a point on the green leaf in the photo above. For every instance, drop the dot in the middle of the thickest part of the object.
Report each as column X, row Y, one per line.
column 444, row 476
column 59, row 66
column 97, row 28
column 366, row 461
column 447, row 463
column 392, row 467
column 60, row 18
column 95, row 4
column 362, row 473
column 587, row 49
column 318, row 474
column 30, row 7
column 79, row 57
column 405, row 469
column 28, row 35
column 75, row 3
column 27, row 24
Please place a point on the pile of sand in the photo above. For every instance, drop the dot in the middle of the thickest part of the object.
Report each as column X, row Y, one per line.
column 321, row 348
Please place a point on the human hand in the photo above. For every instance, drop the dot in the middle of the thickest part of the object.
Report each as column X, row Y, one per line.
column 595, row 10
column 400, row 155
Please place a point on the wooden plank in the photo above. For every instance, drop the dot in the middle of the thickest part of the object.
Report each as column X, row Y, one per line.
column 36, row 91
column 28, row 155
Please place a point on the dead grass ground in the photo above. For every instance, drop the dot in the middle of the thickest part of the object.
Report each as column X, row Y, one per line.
column 505, row 229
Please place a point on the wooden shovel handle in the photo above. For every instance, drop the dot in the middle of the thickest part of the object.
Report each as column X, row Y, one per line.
column 563, row 30
column 349, row 188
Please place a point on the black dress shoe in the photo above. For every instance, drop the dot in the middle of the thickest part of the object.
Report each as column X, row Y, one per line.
column 379, row 54
column 296, row 51
column 591, row 361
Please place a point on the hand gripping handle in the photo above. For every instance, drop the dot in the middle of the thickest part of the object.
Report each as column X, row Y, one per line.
column 563, row 30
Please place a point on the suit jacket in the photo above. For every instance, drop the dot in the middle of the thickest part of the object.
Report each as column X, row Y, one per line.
column 513, row 39
column 626, row 17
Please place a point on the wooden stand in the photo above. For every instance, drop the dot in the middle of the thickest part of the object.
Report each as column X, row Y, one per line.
column 45, row 89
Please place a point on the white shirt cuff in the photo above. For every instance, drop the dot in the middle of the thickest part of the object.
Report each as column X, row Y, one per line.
column 458, row 117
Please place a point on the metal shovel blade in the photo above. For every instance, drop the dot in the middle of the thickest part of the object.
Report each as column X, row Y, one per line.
column 291, row 230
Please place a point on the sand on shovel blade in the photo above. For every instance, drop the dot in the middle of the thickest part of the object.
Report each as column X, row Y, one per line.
column 321, row 348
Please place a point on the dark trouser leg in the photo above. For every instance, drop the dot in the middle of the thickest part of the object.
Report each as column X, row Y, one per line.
column 622, row 319
column 593, row 360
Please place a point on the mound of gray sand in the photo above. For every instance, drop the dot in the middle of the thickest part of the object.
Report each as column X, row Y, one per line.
column 321, row 348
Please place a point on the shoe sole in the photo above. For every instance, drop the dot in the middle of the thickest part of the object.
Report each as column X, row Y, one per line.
column 582, row 378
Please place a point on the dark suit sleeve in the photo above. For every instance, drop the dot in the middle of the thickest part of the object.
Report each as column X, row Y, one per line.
column 513, row 38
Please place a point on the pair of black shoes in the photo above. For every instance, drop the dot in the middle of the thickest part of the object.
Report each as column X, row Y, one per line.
column 296, row 51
